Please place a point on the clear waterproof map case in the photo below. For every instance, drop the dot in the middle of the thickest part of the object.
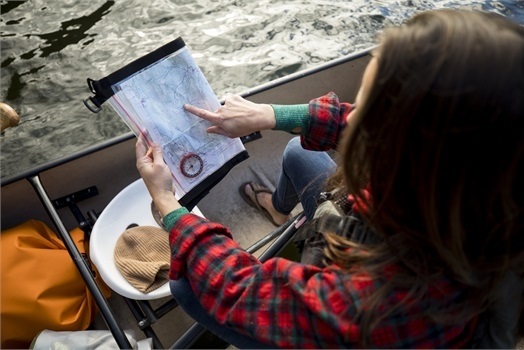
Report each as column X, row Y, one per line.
column 149, row 94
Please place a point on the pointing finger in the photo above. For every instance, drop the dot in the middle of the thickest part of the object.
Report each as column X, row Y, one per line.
column 202, row 113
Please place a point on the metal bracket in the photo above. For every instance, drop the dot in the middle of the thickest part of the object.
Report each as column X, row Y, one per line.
column 70, row 201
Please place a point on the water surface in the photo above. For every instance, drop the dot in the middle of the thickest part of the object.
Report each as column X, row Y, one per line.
column 48, row 49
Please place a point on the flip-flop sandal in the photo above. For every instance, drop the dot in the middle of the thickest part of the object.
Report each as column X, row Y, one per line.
column 256, row 188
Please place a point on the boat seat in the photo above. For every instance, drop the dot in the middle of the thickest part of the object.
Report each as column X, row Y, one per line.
column 130, row 206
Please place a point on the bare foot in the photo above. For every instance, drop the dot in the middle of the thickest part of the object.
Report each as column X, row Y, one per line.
column 264, row 200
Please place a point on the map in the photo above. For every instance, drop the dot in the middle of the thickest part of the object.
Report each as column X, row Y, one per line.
column 151, row 102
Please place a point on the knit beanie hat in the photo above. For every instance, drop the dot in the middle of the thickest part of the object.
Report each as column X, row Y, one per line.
column 142, row 256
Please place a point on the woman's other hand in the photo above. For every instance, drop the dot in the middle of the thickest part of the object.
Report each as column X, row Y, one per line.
column 237, row 117
column 156, row 176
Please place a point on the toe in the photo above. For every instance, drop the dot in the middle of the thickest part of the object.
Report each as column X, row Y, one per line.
column 248, row 189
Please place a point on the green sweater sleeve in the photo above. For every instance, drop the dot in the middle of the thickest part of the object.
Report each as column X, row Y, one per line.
column 171, row 218
column 292, row 118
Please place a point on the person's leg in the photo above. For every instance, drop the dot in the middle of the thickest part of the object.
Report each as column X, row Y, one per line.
column 187, row 300
column 302, row 179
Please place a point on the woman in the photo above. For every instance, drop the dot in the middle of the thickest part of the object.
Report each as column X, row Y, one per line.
column 432, row 157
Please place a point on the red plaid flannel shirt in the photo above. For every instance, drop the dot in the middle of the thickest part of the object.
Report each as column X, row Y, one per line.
column 327, row 119
column 291, row 305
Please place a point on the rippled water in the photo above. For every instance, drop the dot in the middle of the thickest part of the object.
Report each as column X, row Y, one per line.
column 49, row 48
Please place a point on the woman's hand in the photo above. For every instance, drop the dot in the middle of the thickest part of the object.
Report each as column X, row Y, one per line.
column 237, row 117
column 156, row 176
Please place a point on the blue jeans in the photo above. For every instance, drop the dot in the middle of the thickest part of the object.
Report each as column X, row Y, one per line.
column 302, row 178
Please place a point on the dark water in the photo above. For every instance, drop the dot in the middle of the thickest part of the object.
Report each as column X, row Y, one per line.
column 49, row 48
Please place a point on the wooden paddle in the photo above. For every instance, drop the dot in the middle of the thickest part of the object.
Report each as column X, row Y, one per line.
column 9, row 117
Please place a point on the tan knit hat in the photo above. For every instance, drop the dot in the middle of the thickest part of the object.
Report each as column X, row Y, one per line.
column 142, row 256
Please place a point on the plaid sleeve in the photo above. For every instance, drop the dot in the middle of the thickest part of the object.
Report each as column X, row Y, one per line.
column 327, row 120
column 291, row 305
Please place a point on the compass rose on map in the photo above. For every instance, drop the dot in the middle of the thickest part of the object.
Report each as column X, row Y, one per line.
column 191, row 165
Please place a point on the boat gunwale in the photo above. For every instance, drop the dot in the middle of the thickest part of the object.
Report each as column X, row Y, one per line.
column 129, row 135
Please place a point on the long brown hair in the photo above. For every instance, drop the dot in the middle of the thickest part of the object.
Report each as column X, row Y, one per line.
column 439, row 143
